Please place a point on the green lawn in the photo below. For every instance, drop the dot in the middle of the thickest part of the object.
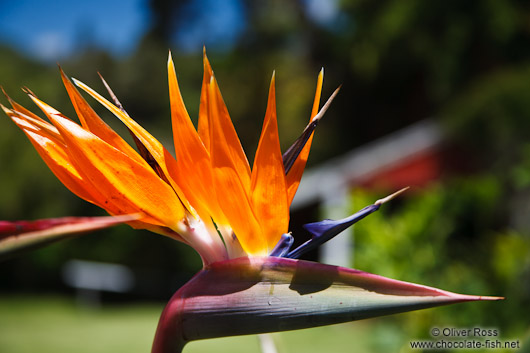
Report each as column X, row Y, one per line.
column 47, row 324
column 55, row 324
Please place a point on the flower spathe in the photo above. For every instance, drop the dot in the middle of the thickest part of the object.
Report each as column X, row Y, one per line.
column 255, row 295
column 207, row 189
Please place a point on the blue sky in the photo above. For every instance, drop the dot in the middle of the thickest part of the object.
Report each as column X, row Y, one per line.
column 49, row 30
column 54, row 29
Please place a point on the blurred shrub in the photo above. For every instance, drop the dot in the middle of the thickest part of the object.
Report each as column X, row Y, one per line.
column 448, row 236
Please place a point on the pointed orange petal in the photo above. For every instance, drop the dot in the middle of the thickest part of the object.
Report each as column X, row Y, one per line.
column 221, row 125
column 50, row 145
column 295, row 174
column 131, row 184
column 54, row 155
column 194, row 174
column 268, row 188
column 231, row 191
column 204, row 129
column 34, row 122
column 164, row 159
column 20, row 109
column 93, row 123
column 57, row 159
column 318, row 93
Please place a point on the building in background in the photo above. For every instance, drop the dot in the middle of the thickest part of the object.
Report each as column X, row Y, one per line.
column 414, row 156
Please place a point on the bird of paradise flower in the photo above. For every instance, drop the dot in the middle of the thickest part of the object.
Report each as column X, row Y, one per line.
column 209, row 198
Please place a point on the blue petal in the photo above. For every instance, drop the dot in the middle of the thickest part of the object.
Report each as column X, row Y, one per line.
column 327, row 229
column 283, row 246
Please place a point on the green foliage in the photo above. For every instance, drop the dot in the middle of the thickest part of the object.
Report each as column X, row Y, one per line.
column 491, row 118
column 447, row 236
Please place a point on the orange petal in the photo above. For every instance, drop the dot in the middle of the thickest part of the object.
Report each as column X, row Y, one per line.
column 93, row 123
column 50, row 145
column 221, row 125
column 194, row 170
column 268, row 189
column 142, row 150
column 54, row 155
column 204, row 130
column 17, row 107
column 164, row 159
column 295, row 174
column 231, row 190
column 34, row 122
column 132, row 185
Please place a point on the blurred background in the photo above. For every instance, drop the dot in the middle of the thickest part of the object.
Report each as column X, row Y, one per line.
column 435, row 95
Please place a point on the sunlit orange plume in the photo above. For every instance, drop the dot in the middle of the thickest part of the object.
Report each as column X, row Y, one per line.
column 208, row 189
